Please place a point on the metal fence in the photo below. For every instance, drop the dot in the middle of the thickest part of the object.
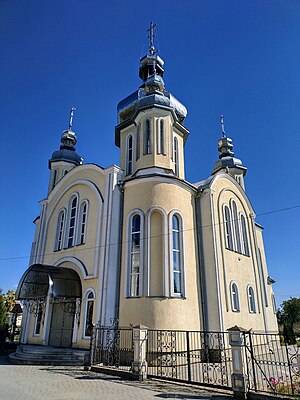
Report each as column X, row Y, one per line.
column 272, row 364
column 192, row 356
column 112, row 346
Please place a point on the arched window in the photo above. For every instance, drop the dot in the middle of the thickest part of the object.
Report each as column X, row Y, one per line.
column 228, row 228
column 65, row 172
column 138, row 139
column 251, row 300
column 129, row 155
column 245, row 246
column 60, row 230
column 83, row 211
column 235, row 302
column 54, row 178
column 236, row 226
column 72, row 222
column 135, row 256
column 147, row 137
column 89, row 309
column 175, row 157
column 161, row 137
column 177, row 255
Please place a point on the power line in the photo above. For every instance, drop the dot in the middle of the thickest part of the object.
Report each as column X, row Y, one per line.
column 73, row 249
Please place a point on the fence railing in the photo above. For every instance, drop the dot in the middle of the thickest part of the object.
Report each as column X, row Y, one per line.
column 112, row 346
column 272, row 364
column 242, row 360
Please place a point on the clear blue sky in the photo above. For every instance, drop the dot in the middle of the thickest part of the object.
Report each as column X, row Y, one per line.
column 240, row 58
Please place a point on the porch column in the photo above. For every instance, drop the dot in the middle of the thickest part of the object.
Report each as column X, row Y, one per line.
column 238, row 376
column 139, row 365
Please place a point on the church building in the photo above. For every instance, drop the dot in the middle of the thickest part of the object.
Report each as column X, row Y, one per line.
column 139, row 244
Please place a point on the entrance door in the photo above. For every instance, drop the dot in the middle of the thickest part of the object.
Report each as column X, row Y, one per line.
column 61, row 329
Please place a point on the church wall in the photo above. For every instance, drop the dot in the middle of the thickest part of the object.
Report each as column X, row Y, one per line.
column 161, row 312
column 235, row 267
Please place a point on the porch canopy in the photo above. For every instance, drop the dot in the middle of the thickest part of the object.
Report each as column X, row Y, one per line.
column 39, row 280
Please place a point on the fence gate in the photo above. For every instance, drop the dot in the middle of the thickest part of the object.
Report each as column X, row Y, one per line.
column 112, row 346
column 192, row 356
column 272, row 365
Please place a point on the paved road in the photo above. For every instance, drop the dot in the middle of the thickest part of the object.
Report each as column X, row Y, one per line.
column 18, row 382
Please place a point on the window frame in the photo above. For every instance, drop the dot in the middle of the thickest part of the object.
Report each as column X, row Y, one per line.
column 67, row 235
column 176, row 156
column 245, row 250
column 129, row 155
column 235, row 298
column 128, row 289
column 38, row 321
column 251, row 299
column 228, row 229
column 83, row 204
column 60, row 230
column 235, row 224
column 181, row 257
column 87, row 300
column 147, row 136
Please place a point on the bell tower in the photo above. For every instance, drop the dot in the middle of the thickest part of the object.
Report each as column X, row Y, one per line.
column 66, row 158
column 150, row 131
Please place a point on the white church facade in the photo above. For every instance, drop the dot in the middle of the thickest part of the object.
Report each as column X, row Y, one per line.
column 138, row 243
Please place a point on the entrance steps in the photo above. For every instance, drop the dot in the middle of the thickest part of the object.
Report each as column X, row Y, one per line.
column 47, row 355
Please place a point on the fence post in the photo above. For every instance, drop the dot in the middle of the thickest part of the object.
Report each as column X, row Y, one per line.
column 139, row 365
column 238, row 377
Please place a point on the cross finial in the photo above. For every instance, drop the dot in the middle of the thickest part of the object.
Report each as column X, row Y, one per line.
column 151, row 34
column 71, row 118
column 222, row 125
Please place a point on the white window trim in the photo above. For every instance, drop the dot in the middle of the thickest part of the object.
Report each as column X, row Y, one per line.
column 242, row 235
column 86, row 301
column 147, row 149
column 225, row 227
column 183, row 293
column 80, row 215
column 161, row 136
column 236, row 227
column 176, row 155
column 128, row 254
column 73, row 195
column 56, row 247
column 128, row 170
column 249, row 287
column 232, row 299
column 138, row 141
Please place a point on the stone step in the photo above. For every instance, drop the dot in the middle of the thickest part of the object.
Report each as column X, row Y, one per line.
column 43, row 355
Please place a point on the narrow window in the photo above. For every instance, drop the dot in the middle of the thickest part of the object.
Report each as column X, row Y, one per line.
column 235, row 297
column 177, row 255
column 251, row 300
column 135, row 255
column 65, row 172
column 228, row 228
column 88, row 323
column 60, row 230
column 73, row 212
column 175, row 157
column 236, row 227
column 129, row 156
column 161, row 137
column 147, row 137
column 82, row 223
column 244, row 236
column 138, row 129
column 38, row 320
column 54, row 179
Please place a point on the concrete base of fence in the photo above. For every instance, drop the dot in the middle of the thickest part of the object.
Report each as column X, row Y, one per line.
column 139, row 370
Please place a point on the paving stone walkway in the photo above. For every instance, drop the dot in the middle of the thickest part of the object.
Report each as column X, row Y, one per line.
column 24, row 382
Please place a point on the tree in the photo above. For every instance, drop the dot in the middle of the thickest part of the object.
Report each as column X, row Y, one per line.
column 289, row 316
column 3, row 311
column 10, row 300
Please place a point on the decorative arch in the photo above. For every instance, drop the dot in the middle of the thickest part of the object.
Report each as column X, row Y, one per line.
column 78, row 264
column 157, row 237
